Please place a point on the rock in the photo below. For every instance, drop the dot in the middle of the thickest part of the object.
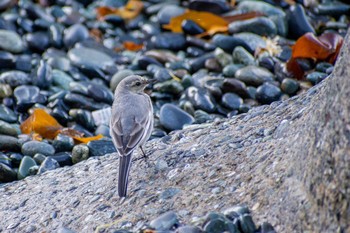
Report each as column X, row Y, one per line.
column 298, row 22
column 235, row 86
column 229, row 43
column 242, row 56
column 33, row 147
column 168, row 40
column 83, row 117
column 74, row 34
column 61, row 79
column 101, row 147
column 252, row 40
column 262, row 26
column 216, row 223
column 201, row 99
column 119, row 76
column 173, row 117
column 266, row 228
column 254, row 75
column 231, row 101
column 63, row 143
column 100, row 93
column 9, row 143
column 289, row 86
column 7, row 174
column 80, row 101
column 26, row 96
column 6, row 114
column 191, row 28
column 38, row 41
column 263, row 7
column 63, row 158
column 11, row 41
column 23, row 170
column 7, row 129
column 168, row 12
column 171, row 86
column 16, row 159
column 5, row 91
column 5, row 160
column 48, row 164
column 230, row 69
column 42, row 76
column 79, row 153
column 39, row 158
column 188, row 229
column 7, row 60
column 316, row 77
column 268, row 93
column 216, row 7
column 161, row 75
column 89, row 58
column 165, row 221
column 14, row 78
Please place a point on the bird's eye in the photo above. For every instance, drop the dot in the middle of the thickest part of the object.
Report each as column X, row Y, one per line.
column 138, row 84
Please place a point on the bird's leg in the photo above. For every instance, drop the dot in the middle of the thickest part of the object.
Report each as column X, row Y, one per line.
column 144, row 154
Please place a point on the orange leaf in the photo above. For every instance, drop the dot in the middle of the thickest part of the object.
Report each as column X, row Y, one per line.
column 206, row 20
column 42, row 123
column 129, row 45
column 323, row 48
column 87, row 139
column 129, row 11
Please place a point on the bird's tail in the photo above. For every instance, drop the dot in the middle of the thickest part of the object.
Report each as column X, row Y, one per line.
column 124, row 168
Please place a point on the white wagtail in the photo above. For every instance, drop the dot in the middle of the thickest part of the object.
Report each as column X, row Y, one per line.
column 131, row 123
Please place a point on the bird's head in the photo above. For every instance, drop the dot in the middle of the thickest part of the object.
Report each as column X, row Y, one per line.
column 134, row 83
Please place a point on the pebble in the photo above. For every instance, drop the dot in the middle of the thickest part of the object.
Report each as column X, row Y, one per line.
column 165, row 221
column 242, row 56
column 231, row 101
column 167, row 12
column 34, row 147
column 8, row 129
column 48, row 164
column 6, row 173
column 74, row 34
column 9, row 143
column 298, row 22
column 262, row 26
column 268, row 93
column 79, row 153
column 63, row 158
column 228, row 43
column 101, row 147
column 316, row 77
column 170, row 41
column 26, row 163
column 289, row 86
column 173, row 118
column 15, row 78
column 89, row 58
column 11, row 41
column 254, row 75
column 201, row 99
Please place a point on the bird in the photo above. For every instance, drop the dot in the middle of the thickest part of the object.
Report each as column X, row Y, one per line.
column 131, row 123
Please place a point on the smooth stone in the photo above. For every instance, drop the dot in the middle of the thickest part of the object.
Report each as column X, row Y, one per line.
column 267, row 63
column 144, row 61
column 188, row 229
column 63, row 143
column 235, row 86
column 200, row 43
column 168, row 40
column 242, row 56
column 63, row 158
column 33, row 147
column 9, row 143
column 229, row 43
column 7, row 174
column 100, row 93
column 201, row 99
column 253, row 75
column 216, row 7
column 289, row 86
column 168, row 12
column 5, row 160
column 316, row 77
column 334, row 9
column 231, row 101
column 90, row 58
column 191, row 28
column 59, row 63
column 42, row 76
column 298, row 22
column 171, row 86
column 119, row 76
column 173, row 117
column 15, row 78
column 79, row 153
column 79, row 87
column 104, row 130
column 115, row 20
column 268, row 93
column 247, row 224
column 26, row 96
column 7, row 60
column 262, row 26
column 266, row 228
column 6, row 114
column 230, row 70
column 11, row 41
column 252, row 40
column 16, row 159
column 24, row 63
column 194, row 51
column 161, row 74
column 323, row 67
column 7, row 129
column 80, row 101
column 83, row 117
column 199, row 62
column 212, row 64
column 48, row 164
column 39, row 158
column 74, row 34
column 217, row 223
column 101, row 147
column 23, row 170
column 6, row 4
column 38, row 41
column 222, row 57
column 61, row 79
column 202, row 117
column 5, row 91
column 257, row 6
column 56, row 35
column 165, row 221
